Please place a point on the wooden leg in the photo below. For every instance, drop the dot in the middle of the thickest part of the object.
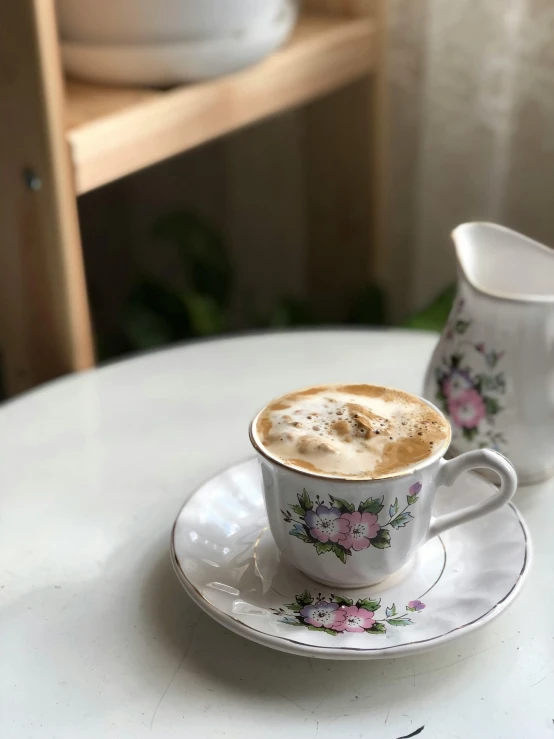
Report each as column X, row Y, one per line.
column 45, row 326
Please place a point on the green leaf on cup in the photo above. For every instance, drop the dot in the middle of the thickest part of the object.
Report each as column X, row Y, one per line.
column 339, row 551
column 342, row 505
column 401, row 520
column 304, row 500
column 382, row 540
column 411, row 499
column 371, row 505
column 322, row 547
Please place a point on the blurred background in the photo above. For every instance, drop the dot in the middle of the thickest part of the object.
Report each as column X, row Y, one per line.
column 380, row 126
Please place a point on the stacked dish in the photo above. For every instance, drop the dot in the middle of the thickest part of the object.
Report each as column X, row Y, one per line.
column 165, row 42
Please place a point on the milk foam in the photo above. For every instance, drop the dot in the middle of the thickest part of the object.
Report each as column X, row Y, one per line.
column 351, row 430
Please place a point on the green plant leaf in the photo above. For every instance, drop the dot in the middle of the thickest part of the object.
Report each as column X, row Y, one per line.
column 343, row 601
column 371, row 505
column 402, row 520
column 330, row 632
column 305, row 599
column 205, row 315
column 291, row 312
column 368, row 307
column 339, row 551
column 154, row 315
column 382, row 540
column 434, row 317
column 399, row 621
column 342, row 505
column 322, row 547
column 369, row 604
column 298, row 510
column 391, row 611
column 202, row 251
column 304, row 500
column 412, row 499
column 377, row 628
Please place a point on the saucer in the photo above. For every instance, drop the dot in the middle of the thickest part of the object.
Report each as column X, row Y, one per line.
column 227, row 561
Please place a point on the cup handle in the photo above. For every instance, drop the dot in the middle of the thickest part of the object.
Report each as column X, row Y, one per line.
column 478, row 459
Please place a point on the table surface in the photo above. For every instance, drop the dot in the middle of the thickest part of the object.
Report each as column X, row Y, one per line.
column 97, row 638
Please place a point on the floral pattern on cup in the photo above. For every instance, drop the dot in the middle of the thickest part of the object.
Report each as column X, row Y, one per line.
column 471, row 399
column 340, row 528
column 335, row 614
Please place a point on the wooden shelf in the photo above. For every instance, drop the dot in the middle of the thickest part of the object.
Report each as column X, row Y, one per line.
column 115, row 131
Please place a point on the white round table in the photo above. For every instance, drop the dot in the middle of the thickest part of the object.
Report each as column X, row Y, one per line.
column 99, row 641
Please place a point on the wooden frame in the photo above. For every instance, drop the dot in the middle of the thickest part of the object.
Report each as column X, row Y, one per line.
column 56, row 143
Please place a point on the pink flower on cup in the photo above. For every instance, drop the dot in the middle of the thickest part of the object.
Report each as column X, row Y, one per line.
column 415, row 489
column 324, row 615
column 362, row 527
column 355, row 619
column 415, row 605
column 326, row 524
column 468, row 409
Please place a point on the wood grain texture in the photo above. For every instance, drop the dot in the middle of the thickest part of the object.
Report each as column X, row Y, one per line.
column 325, row 53
column 44, row 319
column 338, row 177
column 343, row 7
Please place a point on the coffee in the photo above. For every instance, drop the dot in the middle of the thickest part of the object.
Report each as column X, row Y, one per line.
column 354, row 431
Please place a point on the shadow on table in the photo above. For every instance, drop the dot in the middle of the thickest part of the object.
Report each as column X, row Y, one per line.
column 328, row 688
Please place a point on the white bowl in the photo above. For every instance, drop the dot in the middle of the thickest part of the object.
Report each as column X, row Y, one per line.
column 170, row 64
column 156, row 21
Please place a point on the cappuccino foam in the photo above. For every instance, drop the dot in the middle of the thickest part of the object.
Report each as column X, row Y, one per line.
column 362, row 431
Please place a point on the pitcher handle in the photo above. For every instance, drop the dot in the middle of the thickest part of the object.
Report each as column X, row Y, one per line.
column 479, row 459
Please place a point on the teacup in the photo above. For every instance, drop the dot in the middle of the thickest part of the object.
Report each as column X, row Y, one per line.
column 316, row 519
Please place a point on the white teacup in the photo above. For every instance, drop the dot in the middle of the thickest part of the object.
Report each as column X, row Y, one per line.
column 313, row 516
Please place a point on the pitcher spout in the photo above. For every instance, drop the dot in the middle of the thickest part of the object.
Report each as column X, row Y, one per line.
column 504, row 264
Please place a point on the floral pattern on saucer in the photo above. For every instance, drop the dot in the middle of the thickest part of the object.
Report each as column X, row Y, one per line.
column 337, row 615
column 341, row 529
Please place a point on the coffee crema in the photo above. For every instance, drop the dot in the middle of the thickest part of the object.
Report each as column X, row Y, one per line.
column 354, row 431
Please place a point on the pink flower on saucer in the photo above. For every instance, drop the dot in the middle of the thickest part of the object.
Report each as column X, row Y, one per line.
column 324, row 615
column 467, row 410
column 415, row 605
column 326, row 524
column 355, row 619
column 362, row 527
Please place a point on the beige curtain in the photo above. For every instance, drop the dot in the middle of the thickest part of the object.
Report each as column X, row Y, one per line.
column 470, row 108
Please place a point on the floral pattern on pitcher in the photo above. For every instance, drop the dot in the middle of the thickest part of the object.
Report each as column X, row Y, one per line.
column 340, row 528
column 335, row 614
column 471, row 399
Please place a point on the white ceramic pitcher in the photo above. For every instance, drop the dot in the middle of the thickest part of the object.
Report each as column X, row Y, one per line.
column 492, row 372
